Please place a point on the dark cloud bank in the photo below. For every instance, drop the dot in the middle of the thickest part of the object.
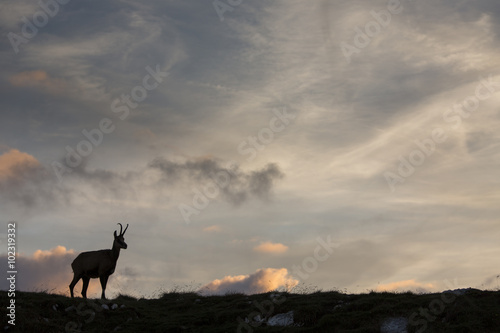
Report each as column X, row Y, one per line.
column 37, row 186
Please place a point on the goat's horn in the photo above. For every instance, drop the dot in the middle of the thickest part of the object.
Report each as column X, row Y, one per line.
column 125, row 229
column 121, row 228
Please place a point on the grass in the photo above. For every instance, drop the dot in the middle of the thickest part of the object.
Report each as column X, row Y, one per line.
column 320, row 311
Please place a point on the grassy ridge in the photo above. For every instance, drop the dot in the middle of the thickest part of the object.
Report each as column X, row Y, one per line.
column 474, row 311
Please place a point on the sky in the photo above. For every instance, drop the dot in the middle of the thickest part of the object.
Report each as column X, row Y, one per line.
column 252, row 145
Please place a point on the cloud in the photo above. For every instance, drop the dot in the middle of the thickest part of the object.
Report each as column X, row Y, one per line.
column 263, row 280
column 268, row 247
column 58, row 251
column 353, row 123
column 14, row 164
column 11, row 14
column 38, row 79
column 27, row 183
column 51, row 270
column 240, row 185
column 24, row 79
column 44, row 270
column 213, row 228
column 405, row 286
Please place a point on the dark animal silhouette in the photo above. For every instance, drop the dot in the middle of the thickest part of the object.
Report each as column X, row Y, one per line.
column 97, row 264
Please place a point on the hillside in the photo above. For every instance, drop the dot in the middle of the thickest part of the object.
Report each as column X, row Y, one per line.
column 468, row 310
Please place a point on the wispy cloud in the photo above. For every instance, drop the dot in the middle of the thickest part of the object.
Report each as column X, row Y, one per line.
column 39, row 79
column 269, row 247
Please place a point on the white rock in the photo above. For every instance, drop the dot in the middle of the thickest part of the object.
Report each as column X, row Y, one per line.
column 282, row 319
column 394, row 325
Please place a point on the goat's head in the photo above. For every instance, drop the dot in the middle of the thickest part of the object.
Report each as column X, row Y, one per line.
column 119, row 239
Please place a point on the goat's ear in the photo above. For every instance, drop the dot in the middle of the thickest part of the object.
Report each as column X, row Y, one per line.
column 116, row 235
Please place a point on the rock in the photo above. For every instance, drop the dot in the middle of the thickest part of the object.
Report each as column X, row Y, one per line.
column 114, row 306
column 258, row 319
column 394, row 325
column 459, row 292
column 70, row 308
column 105, row 307
column 282, row 319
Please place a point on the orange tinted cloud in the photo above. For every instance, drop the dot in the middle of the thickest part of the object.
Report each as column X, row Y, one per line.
column 24, row 79
column 268, row 247
column 44, row 270
column 405, row 286
column 37, row 78
column 57, row 251
column 212, row 228
column 13, row 164
column 263, row 280
column 50, row 270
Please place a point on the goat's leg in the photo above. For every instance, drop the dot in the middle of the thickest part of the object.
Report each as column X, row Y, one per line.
column 104, row 281
column 85, row 280
column 73, row 283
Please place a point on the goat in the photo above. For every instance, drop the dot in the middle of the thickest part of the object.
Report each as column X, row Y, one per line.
column 97, row 264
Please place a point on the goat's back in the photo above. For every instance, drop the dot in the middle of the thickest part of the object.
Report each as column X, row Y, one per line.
column 89, row 262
